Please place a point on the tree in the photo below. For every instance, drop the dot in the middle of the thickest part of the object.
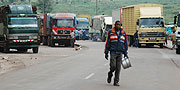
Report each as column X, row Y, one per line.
column 45, row 6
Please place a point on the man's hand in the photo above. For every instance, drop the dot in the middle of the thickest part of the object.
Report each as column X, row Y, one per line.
column 106, row 56
column 125, row 55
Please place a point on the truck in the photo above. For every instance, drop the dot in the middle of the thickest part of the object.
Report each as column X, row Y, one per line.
column 177, row 24
column 147, row 19
column 19, row 28
column 59, row 28
column 100, row 24
column 84, row 15
column 82, row 25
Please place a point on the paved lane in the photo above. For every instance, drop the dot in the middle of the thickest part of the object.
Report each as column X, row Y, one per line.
column 152, row 69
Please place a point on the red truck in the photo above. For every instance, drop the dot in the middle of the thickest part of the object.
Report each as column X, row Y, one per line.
column 58, row 28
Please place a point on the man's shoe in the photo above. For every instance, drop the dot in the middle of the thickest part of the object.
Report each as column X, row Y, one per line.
column 109, row 79
column 116, row 84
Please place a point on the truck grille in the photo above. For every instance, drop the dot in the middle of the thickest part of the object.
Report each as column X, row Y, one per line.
column 178, row 32
column 23, row 37
column 64, row 31
column 152, row 34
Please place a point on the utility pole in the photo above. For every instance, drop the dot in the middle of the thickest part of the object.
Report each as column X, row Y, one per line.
column 96, row 7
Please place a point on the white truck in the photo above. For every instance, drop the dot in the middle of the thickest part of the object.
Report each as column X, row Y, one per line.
column 99, row 26
column 177, row 33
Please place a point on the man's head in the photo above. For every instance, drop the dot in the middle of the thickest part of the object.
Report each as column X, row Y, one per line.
column 117, row 25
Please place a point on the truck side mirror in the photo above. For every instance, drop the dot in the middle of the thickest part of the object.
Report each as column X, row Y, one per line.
column 162, row 23
column 157, row 22
column 137, row 23
column 175, row 19
column 77, row 22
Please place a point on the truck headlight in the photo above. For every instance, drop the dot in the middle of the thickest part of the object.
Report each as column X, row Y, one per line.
column 161, row 34
column 33, row 37
column 13, row 37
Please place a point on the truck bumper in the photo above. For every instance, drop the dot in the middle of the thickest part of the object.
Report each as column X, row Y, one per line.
column 23, row 43
column 178, row 41
column 155, row 40
column 62, row 39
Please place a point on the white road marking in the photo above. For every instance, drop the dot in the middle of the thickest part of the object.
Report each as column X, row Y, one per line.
column 106, row 64
column 89, row 76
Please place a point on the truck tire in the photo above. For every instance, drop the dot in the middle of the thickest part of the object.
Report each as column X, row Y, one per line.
column 72, row 43
column 35, row 50
column 50, row 42
column 45, row 41
column 104, row 38
column 1, row 49
column 139, row 45
column 6, row 50
column 130, row 40
column 178, row 50
column 22, row 50
column 161, row 45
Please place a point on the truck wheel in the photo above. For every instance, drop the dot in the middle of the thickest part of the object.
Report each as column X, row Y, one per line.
column 22, row 50
column 129, row 40
column 45, row 41
column 72, row 43
column 139, row 45
column 50, row 42
column 104, row 38
column 161, row 45
column 1, row 49
column 178, row 50
column 35, row 50
column 6, row 50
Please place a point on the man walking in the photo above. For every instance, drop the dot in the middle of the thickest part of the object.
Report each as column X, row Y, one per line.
column 136, row 39
column 117, row 44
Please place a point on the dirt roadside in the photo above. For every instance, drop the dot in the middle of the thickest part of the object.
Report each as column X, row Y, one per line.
column 15, row 60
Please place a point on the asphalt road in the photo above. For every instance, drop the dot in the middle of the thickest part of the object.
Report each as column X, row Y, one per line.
column 152, row 69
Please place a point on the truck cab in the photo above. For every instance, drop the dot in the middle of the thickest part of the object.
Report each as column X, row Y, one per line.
column 177, row 24
column 151, row 30
column 82, row 26
column 19, row 28
column 62, row 29
column 151, row 26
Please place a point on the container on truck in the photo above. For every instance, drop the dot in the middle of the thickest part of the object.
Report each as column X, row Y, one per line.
column 147, row 19
column 19, row 28
column 59, row 28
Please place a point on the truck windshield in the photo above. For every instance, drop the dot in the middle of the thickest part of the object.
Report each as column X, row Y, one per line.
column 178, row 23
column 82, row 26
column 151, row 22
column 64, row 23
column 108, row 27
column 22, row 21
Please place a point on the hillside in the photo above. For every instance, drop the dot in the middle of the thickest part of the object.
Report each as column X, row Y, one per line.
column 171, row 7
